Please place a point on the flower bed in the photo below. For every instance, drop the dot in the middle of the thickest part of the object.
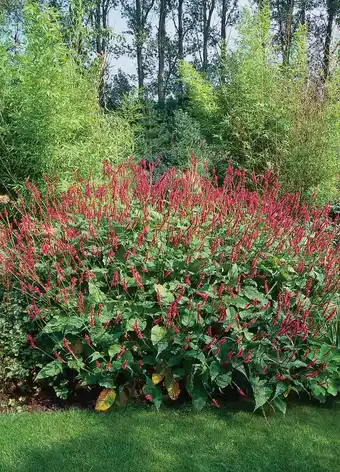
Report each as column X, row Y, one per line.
column 178, row 285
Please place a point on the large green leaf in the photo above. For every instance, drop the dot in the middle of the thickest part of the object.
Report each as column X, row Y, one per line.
column 166, row 296
column 332, row 389
column 50, row 370
column 252, row 293
column 157, row 334
column 280, row 404
column 76, row 364
column 114, row 349
column 280, row 389
column 96, row 295
column 199, row 397
column 223, row 380
column 215, row 370
column 157, row 396
column 262, row 392
column 188, row 319
column 65, row 324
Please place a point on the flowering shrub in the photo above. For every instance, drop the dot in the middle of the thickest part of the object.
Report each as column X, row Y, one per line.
column 178, row 285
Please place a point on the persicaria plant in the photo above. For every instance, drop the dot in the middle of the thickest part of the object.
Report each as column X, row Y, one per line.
column 179, row 285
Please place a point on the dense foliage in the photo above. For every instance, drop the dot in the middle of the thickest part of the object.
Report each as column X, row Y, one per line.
column 203, row 288
column 50, row 118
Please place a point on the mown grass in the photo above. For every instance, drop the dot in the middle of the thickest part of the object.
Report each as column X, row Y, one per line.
column 138, row 439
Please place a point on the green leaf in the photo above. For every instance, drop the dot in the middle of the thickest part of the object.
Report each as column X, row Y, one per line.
column 262, row 392
column 318, row 391
column 76, row 364
column 155, row 392
column 149, row 360
column 188, row 319
column 280, row 405
column 97, row 296
column 50, row 370
column 297, row 363
column 241, row 369
column 106, row 383
column 113, row 350
column 64, row 324
column 95, row 356
column 179, row 373
column 157, row 396
column 161, row 347
column 281, row 388
column 240, row 302
column 166, row 295
column 223, row 380
column 175, row 360
column 332, row 389
column 251, row 293
column 215, row 370
column 157, row 334
column 88, row 379
column 199, row 397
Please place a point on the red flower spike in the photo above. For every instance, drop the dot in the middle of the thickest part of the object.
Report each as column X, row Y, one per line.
column 31, row 341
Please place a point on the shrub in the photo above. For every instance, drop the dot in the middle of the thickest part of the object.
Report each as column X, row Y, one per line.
column 269, row 116
column 50, row 120
column 200, row 287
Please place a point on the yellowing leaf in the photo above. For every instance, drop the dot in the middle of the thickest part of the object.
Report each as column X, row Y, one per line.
column 157, row 378
column 173, row 389
column 105, row 399
column 287, row 391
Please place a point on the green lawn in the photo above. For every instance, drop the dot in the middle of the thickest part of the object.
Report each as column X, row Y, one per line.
column 142, row 440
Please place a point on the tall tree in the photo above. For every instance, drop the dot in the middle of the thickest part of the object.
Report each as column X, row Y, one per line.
column 137, row 14
column 161, row 39
column 180, row 29
column 228, row 16
column 333, row 9
column 318, row 15
column 208, row 7
column 183, row 24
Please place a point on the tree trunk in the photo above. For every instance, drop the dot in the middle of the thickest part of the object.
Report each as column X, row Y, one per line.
column 331, row 11
column 224, row 21
column 208, row 10
column 161, row 51
column 223, row 39
column 303, row 12
column 97, row 26
column 139, row 44
column 180, row 30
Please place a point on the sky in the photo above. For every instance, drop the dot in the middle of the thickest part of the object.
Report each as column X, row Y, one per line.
column 118, row 25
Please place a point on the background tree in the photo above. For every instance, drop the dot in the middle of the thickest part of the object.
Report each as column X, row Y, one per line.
column 161, row 38
column 137, row 14
column 333, row 12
